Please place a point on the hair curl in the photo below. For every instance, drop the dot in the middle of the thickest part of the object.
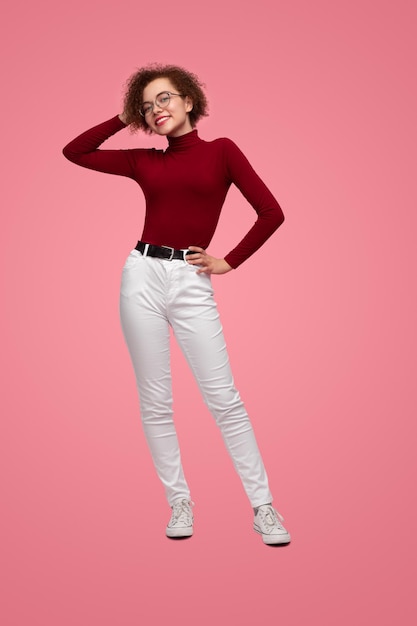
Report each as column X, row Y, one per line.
column 185, row 82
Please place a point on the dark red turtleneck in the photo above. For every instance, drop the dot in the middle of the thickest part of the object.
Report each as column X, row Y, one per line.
column 184, row 186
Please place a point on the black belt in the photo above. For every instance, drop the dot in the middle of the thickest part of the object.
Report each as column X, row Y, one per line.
column 161, row 252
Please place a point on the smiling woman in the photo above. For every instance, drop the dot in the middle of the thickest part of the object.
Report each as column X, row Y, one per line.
column 166, row 280
column 182, row 81
column 165, row 111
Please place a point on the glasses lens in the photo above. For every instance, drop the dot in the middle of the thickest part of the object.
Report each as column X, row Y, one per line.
column 145, row 109
column 163, row 99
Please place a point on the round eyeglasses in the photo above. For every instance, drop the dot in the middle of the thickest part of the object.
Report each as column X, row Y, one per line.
column 162, row 100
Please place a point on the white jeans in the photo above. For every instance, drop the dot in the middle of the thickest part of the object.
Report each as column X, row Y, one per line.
column 156, row 293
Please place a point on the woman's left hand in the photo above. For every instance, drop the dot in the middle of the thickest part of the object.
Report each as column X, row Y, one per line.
column 209, row 264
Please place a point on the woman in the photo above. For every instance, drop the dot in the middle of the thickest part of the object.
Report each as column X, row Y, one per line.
column 166, row 278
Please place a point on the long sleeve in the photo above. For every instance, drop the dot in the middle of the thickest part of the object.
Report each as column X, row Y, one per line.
column 270, row 215
column 83, row 150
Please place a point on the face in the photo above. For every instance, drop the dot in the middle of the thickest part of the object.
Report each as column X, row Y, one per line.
column 172, row 120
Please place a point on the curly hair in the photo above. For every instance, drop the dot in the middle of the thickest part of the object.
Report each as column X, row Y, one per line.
column 185, row 82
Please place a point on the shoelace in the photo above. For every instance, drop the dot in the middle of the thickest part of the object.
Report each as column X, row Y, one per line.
column 271, row 517
column 181, row 512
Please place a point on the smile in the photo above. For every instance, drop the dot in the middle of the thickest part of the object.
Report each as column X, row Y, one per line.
column 161, row 120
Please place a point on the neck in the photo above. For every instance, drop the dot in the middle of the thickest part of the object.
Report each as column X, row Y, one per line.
column 183, row 130
column 182, row 142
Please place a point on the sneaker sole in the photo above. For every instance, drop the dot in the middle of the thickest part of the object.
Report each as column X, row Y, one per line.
column 178, row 532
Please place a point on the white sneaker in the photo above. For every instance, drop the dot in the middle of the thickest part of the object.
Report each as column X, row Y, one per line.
column 181, row 522
column 267, row 523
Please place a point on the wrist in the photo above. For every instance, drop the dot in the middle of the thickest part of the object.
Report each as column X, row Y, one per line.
column 225, row 267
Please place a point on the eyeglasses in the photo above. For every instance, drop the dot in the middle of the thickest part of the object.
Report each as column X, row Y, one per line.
column 162, row 101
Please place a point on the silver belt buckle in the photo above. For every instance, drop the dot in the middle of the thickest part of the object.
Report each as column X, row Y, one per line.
column 172, row 252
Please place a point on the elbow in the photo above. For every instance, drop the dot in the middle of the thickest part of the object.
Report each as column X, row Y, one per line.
column 67, row 153
column 71, row 153
column 279, row 217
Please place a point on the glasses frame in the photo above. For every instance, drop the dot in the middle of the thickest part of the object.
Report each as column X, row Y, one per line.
column 152, row 104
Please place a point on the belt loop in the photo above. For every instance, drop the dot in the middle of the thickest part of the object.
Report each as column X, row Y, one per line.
column 145, row 250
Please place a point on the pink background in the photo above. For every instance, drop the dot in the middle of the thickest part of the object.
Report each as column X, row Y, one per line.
column 321, row 323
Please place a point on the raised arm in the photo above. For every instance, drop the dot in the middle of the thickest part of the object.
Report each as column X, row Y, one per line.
column 83, row 150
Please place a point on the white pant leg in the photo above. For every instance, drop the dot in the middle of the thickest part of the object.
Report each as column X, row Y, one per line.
column 193, row 315
column 146, row 331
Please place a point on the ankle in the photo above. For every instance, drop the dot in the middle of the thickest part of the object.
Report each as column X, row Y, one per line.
column 256, row 508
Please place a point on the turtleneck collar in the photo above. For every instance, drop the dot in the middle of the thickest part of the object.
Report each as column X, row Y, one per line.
column 183, row 142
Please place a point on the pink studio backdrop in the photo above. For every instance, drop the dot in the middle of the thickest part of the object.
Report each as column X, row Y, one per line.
column 320, row 323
